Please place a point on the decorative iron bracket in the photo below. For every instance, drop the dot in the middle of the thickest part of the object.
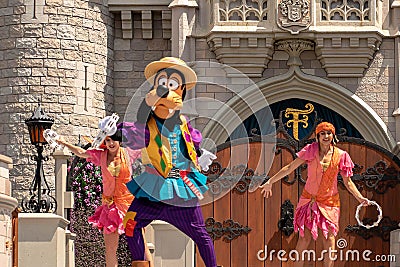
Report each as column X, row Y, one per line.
column 285, row 223
column 382, row 230
column 379, row 178
column 229, row 229
column 237, row 179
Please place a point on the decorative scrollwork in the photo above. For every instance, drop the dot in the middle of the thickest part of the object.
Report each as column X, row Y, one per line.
column 379, row 178
column 237, row 179
column 345, row 10
column 45, row 204
column 228, row 230
column 285, row 223
column 382, row 230
column 243, row 10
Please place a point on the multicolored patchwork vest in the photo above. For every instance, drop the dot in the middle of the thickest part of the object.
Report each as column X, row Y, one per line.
column 158, row 152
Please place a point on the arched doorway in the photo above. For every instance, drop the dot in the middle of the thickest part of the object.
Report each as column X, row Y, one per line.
column 248, row 231
column 297, row 84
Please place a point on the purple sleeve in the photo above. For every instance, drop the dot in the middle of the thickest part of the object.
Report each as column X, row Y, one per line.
column 134, row 135
column 196, row 136
column 308, row 153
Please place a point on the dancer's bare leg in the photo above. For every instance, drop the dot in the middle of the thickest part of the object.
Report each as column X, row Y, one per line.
column 302, row 244
column 111, row 246
column 147, row 253
column 329, row 243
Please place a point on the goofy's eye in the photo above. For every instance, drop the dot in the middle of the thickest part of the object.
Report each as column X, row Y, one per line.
column 172, row 84
column 163, row 81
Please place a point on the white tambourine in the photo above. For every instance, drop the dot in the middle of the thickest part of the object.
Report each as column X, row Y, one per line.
column 51, row 137
column 379, row 209
column 108, row 126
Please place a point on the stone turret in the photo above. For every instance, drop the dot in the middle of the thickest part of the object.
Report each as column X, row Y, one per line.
column 58, row 52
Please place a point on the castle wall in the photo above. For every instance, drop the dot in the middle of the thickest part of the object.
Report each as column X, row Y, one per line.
column 47, row 48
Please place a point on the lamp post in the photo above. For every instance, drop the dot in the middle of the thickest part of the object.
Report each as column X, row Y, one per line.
column 39, row 199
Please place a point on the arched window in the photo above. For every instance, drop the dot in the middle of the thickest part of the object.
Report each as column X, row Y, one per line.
column 295, row 111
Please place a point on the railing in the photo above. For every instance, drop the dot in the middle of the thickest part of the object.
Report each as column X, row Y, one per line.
column 346, row 10
column 266, row 12
column 243, row 10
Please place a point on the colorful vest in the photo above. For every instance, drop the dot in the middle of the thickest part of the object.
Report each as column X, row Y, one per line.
column 158, row 152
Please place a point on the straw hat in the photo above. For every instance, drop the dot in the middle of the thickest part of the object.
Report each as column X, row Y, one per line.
column 174, row 63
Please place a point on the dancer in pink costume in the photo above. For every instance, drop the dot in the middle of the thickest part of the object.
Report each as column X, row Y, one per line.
column 319, row 204
column 115, row 162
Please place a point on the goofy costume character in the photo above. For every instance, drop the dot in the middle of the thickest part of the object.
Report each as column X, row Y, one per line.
column 171, row 184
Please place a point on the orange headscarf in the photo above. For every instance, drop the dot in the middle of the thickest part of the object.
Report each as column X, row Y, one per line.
column 325, row 126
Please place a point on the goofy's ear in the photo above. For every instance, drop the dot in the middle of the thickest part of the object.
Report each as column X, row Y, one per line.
column 143, row 113
column 183, row 91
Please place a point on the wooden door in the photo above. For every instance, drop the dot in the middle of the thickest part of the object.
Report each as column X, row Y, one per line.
column 243, row 224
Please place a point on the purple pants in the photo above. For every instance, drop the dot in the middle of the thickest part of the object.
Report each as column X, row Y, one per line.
column 189, row 220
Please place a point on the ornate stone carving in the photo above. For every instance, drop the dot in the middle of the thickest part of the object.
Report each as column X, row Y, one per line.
column 294, row 15
column 346, row 54
column 248, row 53
column 243, row 10
column 294, row 48
column 345, row 10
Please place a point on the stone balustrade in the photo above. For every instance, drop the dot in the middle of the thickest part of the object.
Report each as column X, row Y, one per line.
column 7, row 205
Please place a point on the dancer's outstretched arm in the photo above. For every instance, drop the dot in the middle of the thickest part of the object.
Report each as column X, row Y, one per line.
column 80, row 152
column 351, row 187
column 267, row 187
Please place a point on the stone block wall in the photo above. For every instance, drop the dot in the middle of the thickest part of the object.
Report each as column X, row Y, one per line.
column 7, row 206
column 131, row 57
column 51, row 51
column 395, row 247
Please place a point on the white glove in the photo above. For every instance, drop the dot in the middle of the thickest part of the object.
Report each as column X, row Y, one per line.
column 108, row 127
column 206, row 159
column 109, row 124
column 51, row 138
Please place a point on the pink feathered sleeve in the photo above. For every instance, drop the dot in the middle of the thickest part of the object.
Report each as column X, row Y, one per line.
column 309, row 152
column 94, row 156
column 346, row 165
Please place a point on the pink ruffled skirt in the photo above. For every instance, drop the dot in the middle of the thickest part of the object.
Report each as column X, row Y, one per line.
column 312, row 218
column 108, row 219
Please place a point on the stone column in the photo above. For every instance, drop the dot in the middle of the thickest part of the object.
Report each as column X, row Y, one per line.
column 41, row 240
column 396, row 28
column 183, row 23
column 64, row 199
column 7, row 205
column 180, row 254
column 395, row 247
column 183, row 45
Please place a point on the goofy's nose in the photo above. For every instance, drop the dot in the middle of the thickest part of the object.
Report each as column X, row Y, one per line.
column 162, row 91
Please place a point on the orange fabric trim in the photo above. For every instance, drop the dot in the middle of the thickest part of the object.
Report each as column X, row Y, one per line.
column 122, row 198
column 332, row 201
column 326, row 184
column 330, row 174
